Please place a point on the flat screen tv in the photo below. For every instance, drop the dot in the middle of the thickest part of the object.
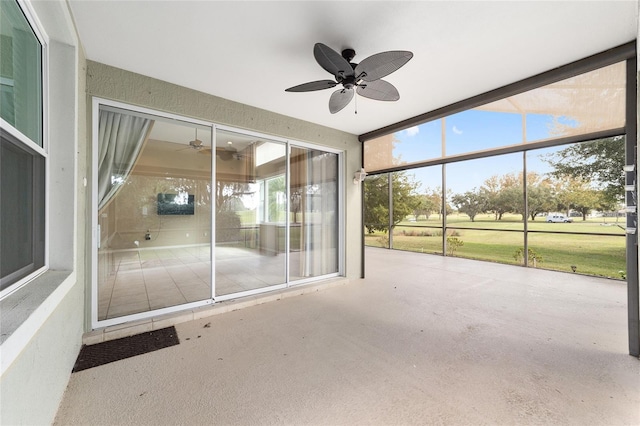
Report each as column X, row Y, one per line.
column 175, row 204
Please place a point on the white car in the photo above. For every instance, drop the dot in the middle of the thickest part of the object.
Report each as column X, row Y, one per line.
column 556, row 217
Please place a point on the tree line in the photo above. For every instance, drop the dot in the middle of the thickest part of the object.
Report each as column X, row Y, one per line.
column 586, row 176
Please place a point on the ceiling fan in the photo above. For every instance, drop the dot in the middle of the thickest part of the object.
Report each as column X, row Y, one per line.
column 365, row 77
column 225, row 153
column 229, row 152
column 195, row 144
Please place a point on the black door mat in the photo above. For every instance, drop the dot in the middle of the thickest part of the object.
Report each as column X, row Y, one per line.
column 127, row 347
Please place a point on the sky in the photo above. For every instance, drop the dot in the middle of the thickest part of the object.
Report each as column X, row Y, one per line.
column 470, row 131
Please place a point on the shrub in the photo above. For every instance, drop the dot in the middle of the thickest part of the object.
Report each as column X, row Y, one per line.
column 416, row 233
column 453, row 244
column 533, row 256
column 384, row 241
column 450, row 233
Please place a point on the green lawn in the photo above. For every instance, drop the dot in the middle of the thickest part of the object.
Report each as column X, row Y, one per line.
column 599, row 255
column 511, row 221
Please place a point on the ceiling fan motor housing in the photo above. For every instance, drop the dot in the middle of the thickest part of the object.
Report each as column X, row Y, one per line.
column 349, row 54
column 348, row 82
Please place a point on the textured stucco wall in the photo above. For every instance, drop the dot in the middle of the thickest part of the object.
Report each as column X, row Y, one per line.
column 116, row 84
column 32, row 387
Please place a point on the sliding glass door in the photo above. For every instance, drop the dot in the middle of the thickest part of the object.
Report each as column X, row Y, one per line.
column 168, row 188
column 277, row 215
column 154, row 213
column 314, row 214
column 250, row 199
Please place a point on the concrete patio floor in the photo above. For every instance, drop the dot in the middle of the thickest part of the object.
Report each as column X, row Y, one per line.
column 422, row 340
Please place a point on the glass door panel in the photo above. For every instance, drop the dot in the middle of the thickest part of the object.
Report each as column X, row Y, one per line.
column 250, row 213
column 313, row 213
column 154, row 213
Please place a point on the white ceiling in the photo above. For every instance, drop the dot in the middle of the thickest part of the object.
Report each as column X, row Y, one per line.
column 250, row 52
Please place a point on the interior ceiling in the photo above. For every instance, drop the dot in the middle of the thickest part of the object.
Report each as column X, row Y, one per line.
column 250, row 52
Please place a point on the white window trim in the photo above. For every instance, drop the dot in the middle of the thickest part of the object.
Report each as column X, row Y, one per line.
column 43, row 39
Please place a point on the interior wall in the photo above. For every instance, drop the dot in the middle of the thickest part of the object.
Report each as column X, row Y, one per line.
column 112, row 83
column 133, row 222
column 131, row 219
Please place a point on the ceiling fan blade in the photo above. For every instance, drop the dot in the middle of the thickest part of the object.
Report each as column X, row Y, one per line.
column 379, row 90
column 311, row 86
column 382, row 64
column 332, row 61
column 340, row 99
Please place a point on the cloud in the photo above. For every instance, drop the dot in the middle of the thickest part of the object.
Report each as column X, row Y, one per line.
column 412, row 131
column 457, row 131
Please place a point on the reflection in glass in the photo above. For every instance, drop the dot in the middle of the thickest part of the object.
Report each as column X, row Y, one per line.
column 155, row 214
column 250, row 215
column 22, row 224
column 20, row 73
column 313, row 213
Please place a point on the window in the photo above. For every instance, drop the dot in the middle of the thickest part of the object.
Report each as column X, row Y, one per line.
column 575, row 107
column 22, row 157
column 534, row 178
column 20, row 73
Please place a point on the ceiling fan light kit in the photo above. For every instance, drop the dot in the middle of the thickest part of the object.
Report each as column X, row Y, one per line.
column 365, row 77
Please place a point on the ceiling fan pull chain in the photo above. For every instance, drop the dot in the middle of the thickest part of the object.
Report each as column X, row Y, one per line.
column 356, row 102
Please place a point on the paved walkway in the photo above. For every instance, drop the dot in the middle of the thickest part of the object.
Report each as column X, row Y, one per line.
column 422, row 340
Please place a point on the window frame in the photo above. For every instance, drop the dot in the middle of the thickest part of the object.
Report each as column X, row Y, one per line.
column 25, row 143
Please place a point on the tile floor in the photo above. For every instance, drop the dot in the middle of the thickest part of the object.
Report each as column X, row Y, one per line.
column 149, row 279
